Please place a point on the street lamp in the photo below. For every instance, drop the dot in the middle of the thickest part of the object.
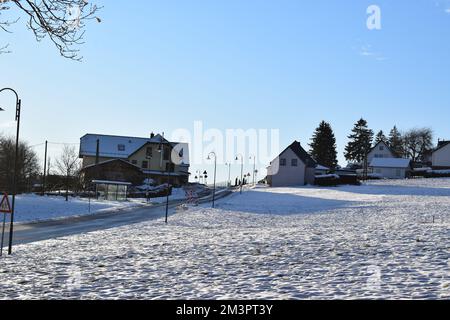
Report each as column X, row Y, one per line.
column 161, row 151
column 254, row 169
column 205, row 176
column 229, row 174
column 242, row 169
column 14, row 187
column 215, row 170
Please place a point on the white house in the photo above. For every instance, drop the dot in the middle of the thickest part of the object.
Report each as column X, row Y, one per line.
column 391, row 168
column 380, row 150
column 293, row 167
column 440, row 158
column 320, row 170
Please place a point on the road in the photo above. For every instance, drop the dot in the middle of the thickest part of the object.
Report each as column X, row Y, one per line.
column 38, row 231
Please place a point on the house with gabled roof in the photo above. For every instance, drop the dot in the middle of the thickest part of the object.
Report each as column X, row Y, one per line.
column 108, row 156
column 440, row 158
column 292, row 167
column 379, row 151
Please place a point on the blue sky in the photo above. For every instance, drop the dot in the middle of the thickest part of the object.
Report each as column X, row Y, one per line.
column 161, row 65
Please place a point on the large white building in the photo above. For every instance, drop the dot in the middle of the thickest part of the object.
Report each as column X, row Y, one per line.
column 293, row 167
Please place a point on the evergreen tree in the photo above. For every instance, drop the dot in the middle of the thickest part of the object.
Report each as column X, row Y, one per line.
column 380, row 137
column 360, row 142
column 396, row 142
column 323, row 146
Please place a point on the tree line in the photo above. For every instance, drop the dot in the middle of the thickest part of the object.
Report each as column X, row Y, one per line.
column 414, row 144
column 65, row 176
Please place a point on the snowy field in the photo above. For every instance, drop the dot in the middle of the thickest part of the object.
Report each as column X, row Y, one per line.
column 36, row 208
column 373, row 241
column 32, row 208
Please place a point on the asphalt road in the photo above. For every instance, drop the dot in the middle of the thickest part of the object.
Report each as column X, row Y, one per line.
column 32, row 232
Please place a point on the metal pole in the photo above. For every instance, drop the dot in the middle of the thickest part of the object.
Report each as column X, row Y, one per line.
column 168, row 186
column 16, row 160
column 254, row 173
column 89, row 192
column 45, row 169
column 3, row 234
column 167, row 198
column 214, row 186
column 242, row 172
column 229, row 175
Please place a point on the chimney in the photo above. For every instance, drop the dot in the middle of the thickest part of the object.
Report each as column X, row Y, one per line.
column 152, row 135
column 97, row 152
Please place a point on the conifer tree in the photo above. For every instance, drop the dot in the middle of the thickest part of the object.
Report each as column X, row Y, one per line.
column 380, row 137
column 396, row 142
column 360, row 142
column 323, row 146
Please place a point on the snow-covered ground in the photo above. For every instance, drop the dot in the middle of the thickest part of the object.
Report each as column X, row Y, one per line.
column 31, row 208
column 373, row 241
column 36, row 208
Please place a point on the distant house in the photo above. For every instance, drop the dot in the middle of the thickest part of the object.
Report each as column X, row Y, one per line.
column 440, row 158
column 320, row 169
column 133, row 159
column 381, row 150
column 391, row 168
column 293, row 167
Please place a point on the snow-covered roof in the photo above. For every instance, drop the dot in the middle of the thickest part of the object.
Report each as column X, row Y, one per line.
column 321, row 167
column 390, row 163
column 119, row 183
column 121, row 147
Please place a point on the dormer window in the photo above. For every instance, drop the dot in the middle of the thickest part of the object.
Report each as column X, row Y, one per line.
column 121, row 147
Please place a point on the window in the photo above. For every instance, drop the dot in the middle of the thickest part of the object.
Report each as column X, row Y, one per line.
column 134, row 162
column 282, row 162
column 381, row 148
column 166, row 153
column 149, row 152
column 121, row 147
column 294, row 162
column 398, row 172
column 144, row 164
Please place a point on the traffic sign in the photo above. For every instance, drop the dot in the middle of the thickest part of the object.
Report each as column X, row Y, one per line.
column 5, row 207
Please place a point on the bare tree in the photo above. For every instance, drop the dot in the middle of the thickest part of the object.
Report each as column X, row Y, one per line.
column 27, row 169
column 68, row 165
column 417, row 142
column 62, row 21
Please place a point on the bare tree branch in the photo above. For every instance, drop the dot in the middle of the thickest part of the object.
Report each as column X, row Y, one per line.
column 62, row 21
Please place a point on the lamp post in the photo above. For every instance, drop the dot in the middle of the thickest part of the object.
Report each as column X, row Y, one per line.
column 161, row 152
column 254, row 169
column 14, row 187
column 215, row 170
column 242, row 169
column 229, row 174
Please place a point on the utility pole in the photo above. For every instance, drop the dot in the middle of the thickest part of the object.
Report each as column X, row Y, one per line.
column 45, row 169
